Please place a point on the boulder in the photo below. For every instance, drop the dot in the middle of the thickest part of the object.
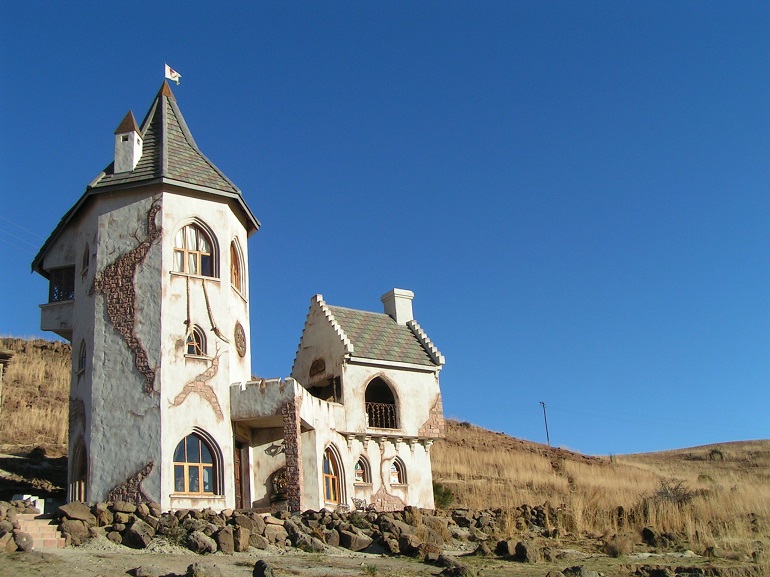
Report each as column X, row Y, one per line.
column 76, row 529
column 275, row 533
column 579, row 571
column 506, row 548
column 262, row 569
column 241, row 537
column 354, row 541
column 138, row 535
column 7, row 544
column 203, row 570
column 199, row 542
column 146, row 571
column 5, row 527
column 258, row 541
column 78, row 511
column 308, row 543
column 246, row 522
column 428, row 552
column 225, row 540
column 409, row 544
column 115, row 537
column 123, row 507
column 527, row 552
column 332, row 537
column 23, row 541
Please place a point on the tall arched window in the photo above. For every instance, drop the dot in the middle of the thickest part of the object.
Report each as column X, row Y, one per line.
column 236, row 268
column 362, row 472
column 331, row 476
column 381, row 410
column 195, row 467
column 196, row 342
column 397, row 472
column 194, row 251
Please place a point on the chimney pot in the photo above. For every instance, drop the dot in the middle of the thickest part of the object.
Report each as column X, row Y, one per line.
column 398, row 305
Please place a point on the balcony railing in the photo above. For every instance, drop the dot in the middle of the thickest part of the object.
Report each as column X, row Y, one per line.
column 381, row 416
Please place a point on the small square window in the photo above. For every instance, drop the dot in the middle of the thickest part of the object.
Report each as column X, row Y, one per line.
column 124, row 138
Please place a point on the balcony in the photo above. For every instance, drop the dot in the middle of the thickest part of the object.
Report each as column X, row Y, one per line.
column 381, row 416
column 57, row 318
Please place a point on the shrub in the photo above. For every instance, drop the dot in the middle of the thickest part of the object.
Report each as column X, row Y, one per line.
column 442, row 496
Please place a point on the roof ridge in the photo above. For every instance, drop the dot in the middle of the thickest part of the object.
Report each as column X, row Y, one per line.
column 427, row 344
column 326, row 309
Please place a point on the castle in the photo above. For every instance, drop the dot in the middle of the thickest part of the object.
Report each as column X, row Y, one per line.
column 148, row 279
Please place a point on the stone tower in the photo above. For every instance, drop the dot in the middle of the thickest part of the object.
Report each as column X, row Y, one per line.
column 148, row 279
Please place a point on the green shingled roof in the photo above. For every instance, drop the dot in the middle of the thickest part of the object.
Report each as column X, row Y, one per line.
column 377, row 336
column 169, row 155
column 169, row 151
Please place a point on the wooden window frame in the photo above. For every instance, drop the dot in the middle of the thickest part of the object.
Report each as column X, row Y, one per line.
column 196, row 253
column 186, row 466
column 331, row 478
column 196, row 339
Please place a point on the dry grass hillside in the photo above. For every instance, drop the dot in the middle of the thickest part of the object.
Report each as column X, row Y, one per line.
column 35, row 394
column 711, row 496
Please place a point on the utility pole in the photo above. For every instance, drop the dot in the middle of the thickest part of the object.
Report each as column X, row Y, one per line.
column 545, row 418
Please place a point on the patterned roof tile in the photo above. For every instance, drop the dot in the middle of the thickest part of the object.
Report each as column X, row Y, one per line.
column 377, row 336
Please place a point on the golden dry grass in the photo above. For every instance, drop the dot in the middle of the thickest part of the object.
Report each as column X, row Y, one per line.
column 717, row 495
column 35, row 394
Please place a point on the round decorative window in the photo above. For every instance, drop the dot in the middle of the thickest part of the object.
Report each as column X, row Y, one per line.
column 240, row 339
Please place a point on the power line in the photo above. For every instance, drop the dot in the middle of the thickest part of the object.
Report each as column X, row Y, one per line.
column 35, row 235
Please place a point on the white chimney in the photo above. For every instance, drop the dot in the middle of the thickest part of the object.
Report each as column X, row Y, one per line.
column 398, row 305
column 128, row 145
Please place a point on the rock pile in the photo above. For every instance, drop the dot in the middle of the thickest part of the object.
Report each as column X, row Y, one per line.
column 12, row 538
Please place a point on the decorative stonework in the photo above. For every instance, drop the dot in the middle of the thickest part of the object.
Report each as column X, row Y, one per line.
column 116, row 283
column 384, row 501
column 240, row 339
column 427, row 344
column 435, row 426
column 199, row 385
column 291, row 432
column 131, row 490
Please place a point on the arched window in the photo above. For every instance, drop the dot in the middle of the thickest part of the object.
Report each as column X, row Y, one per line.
column 82, row 357
column 196, row 342
column 317, row 368
column 194, row 251
column 362, row 472
column 78, row 473
column 381, row 410
column 195, row 467
column 236, row 268
column 397, row 472
column 331, row 475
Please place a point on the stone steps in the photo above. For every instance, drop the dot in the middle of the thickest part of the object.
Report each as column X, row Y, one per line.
column 45, row 534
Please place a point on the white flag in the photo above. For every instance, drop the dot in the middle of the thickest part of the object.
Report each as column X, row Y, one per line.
column 172, row 74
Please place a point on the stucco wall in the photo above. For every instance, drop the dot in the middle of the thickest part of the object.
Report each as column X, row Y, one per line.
column 195, row 391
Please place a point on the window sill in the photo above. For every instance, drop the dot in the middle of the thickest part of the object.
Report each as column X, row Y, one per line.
column 196, row 496
column 197, row 357
column 194, row 276
column 361, row 484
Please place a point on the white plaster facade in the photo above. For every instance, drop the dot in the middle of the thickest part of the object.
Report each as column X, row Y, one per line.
column 161, row 358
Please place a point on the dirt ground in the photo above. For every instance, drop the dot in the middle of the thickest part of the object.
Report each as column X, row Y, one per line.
column 101, row 558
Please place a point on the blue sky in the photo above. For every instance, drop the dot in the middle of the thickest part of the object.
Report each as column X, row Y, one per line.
column 577, row 192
